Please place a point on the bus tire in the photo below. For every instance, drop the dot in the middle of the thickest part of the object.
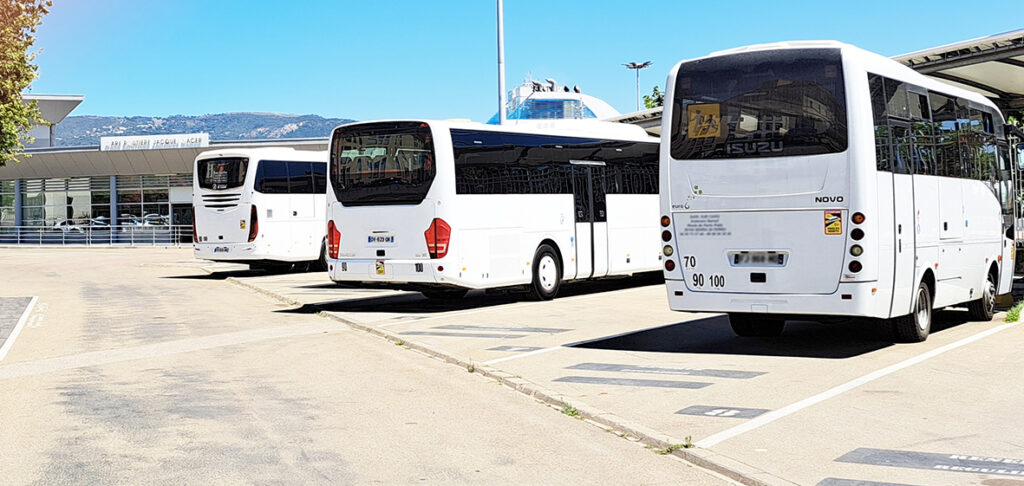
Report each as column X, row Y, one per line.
column 756, row 325
column 984, row 308
column 914, row 327
column 322, row 262
column 444, row 294
column 547, row 273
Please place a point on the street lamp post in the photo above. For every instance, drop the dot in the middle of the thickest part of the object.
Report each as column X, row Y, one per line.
column 637, row 66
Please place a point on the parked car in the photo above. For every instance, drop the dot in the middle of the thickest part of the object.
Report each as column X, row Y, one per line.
column 67, row 226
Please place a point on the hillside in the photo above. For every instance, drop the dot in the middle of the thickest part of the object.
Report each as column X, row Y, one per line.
column 87, row 130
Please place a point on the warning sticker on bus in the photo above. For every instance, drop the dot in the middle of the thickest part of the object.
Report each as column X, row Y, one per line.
column 379, row 267
column 833, row 222
column 704, row 121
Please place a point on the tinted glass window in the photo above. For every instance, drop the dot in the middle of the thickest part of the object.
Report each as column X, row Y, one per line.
column 760, row 104
column 382, row 163
column 947, row 156
column 319, row 177
column 217, row 174
column 883, row 158
column 300, row 177
column 272, row 177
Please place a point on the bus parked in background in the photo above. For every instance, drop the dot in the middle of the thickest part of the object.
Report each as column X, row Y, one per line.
column 264, row 207
column 443, row 207
column 813, row 179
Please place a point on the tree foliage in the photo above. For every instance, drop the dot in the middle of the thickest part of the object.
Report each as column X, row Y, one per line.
column 656, row 98
column 18, row 22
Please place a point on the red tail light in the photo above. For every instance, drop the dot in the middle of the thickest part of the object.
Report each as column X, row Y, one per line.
column 333, row 240
column 254, row 224
column 195, row 233
column 437, row 236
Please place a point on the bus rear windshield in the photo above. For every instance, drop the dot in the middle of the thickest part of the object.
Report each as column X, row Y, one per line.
column 382, row 163
column 760, row 104
column 226, row 173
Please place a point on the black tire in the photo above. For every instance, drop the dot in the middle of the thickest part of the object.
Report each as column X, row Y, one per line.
column 914, row 327
column 321, row 263
column 756, row 325
column 547, row 274
column 444, row 294
column 984, row 308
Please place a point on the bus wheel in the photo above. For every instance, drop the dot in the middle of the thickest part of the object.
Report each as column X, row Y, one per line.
column 984, row 308
column 914, row 327
column 547, row 274
column 322, row 262
column 444, row 294
column 271, row 267
column 756, row 325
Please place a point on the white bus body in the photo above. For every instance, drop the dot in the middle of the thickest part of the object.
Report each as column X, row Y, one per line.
column 264, row 206
column 812, row 179
column 442, row 207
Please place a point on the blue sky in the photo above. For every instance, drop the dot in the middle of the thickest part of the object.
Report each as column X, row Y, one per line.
column 434, row 59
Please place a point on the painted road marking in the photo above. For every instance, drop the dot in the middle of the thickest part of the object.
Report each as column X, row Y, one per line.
column 936, row 462
column 855, row 482
column 730, row 412
column 97, row 358
column 845, row 387
column 531, row 353
column 8, row 343
column 593, row 380
column 514, row 349
column 463, row 334
column 742, row 375
column 548, row 330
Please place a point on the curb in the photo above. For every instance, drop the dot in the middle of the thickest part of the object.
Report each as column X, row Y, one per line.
column 735, row 470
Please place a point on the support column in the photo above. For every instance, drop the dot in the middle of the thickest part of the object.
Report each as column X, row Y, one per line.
column 113, row 202
column 19, row 219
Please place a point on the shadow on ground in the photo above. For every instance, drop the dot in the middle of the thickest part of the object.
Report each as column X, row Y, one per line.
column 416, row 303
column 801, row 339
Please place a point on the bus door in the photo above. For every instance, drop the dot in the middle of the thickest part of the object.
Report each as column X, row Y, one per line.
column 904, row 218
column 588, row 181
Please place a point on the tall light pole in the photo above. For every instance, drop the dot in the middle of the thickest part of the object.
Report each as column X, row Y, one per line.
column 637, row 66
column 501, row 66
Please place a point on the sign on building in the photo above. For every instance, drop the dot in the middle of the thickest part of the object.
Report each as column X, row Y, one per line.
column 151, row 142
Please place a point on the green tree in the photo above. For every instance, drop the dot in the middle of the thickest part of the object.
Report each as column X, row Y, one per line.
column 656, row 99
column 18, row 22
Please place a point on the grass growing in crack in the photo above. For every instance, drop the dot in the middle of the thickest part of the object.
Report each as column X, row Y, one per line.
column 571, row 411
column 471, row 368
column 687, row 444
column 399, row 343
column 321, row 314
column 1013, row 315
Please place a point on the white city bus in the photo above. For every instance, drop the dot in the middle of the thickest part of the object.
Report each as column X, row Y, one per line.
column 264, row 207
column 443, row 207
column 815, row 179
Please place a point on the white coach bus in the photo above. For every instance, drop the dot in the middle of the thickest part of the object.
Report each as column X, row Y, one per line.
column 443, row 207
column 815, row 179
column 264, row 207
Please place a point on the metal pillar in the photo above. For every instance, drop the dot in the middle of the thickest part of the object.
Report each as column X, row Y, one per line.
column 501, row 66
column 19, row 219
column 113, row 202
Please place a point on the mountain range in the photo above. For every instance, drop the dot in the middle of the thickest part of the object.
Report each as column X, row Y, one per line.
column 87, row 130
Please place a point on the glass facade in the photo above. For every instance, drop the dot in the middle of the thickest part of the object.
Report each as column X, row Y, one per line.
column 88, row 201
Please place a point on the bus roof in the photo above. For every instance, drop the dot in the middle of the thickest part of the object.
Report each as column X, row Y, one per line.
column 586, row 128
column 267, row 153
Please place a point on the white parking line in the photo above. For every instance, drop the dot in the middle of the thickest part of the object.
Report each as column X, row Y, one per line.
column 17, row 329
column 845, row 387
column 523, row 355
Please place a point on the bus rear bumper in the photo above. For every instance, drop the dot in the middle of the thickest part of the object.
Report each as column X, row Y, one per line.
column 390, row 272
column 860, row 299
column 225, row 251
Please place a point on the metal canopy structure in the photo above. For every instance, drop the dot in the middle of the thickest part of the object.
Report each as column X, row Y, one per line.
column 992, row 66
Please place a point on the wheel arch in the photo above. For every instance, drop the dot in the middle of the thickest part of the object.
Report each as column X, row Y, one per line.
column 558, row 252
column 928, row 278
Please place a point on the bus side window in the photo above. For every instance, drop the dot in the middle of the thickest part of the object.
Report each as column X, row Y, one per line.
column 882, row 154
column 944, row 121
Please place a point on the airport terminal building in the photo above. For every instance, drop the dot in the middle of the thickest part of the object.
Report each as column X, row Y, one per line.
column 140, row 186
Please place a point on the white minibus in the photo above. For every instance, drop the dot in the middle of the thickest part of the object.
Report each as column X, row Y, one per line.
column 810, row 180
column 442, row 207
column 263, row 207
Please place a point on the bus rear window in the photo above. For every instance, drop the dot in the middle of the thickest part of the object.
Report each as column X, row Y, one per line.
column 382, row 163
column 760, row 104
column 225, row 173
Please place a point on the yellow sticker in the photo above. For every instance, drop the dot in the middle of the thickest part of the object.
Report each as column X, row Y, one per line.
column 379, row 267
column 241, row 224
column 833, row 222
column 704, row 121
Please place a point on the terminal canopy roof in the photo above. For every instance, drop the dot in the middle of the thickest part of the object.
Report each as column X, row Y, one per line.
column 992, row 66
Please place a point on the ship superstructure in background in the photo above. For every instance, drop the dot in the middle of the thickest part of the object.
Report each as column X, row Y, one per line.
column 536, row 100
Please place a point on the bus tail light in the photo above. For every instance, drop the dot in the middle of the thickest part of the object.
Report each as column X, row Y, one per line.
column 437, row 236
column 254, row 224
column 333, row 240
column 665, row 221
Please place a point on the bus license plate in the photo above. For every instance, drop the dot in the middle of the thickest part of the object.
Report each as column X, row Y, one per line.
column 758, row 258
column 380, row 238
column 220, row 249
